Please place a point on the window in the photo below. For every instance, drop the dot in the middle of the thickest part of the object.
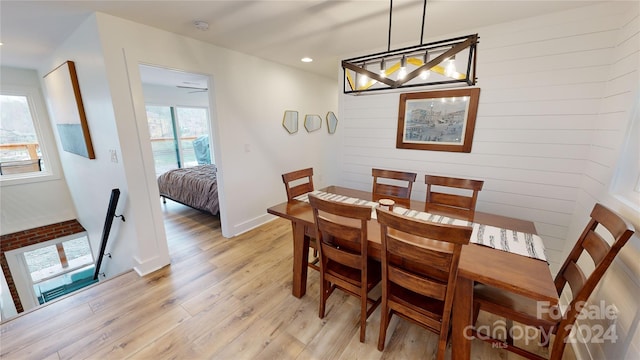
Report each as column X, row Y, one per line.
column 179, row 136
column 59, row 267
column 626, row 182
column 20, row 150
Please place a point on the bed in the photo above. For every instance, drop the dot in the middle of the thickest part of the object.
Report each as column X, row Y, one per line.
column 196, row 187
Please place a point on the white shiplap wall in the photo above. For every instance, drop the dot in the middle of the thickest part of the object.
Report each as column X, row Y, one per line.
column 621, row 284
column 542, row 82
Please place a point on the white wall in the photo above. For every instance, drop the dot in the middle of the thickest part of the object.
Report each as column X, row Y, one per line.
column 91, row 181
column 7, row 307
column 26, row 204
column 556, row 91
column 608, row 131
column 541, row 80
column 167, row 95
column 248, row 97
column 252, row 148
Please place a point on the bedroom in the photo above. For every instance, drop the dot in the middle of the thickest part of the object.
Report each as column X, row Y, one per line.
column 177, row 105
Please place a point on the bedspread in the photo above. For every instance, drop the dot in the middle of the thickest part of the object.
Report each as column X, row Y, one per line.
column 196, row 187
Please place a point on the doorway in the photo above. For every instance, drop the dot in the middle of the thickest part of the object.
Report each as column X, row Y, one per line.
column 181, row 134
column 178, row 116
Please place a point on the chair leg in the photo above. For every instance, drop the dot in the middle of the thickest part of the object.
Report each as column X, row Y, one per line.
column 442, row 347
column 476, row 312
column 509, row 339
column 384, row 323
column 363, row 317
column 545, row 337
column 323, row 297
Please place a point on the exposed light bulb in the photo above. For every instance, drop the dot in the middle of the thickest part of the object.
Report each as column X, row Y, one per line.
column 403, row 68
column 450, row 70
column 363, row 80
column 425, row 74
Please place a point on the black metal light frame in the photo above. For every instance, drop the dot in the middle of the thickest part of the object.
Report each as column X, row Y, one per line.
column 447, row 49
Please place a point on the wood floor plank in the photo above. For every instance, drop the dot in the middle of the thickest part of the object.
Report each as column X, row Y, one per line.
column 35, row 342
column 282, row 347
column 243, row 318
column 110, row 325
column 46, row 313
column 219, row 299
column 133, row 340
column 340, row 324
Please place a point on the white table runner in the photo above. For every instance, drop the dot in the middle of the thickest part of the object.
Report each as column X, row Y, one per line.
column 516, row 242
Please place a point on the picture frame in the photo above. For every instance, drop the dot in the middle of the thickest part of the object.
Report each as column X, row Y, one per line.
column 441, row 120
column 67, row 110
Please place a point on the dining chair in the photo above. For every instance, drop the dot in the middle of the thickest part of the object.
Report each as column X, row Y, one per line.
column 396, row 185
column 452, row 201
column 419, row 272
column 297, row 183
column 341, row 232
column 525, row 311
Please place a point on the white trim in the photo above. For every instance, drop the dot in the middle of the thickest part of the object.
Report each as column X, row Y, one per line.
column 42, row 127
column 625, row 181
column 20, row 271
column 251, row 224
column 148, row 266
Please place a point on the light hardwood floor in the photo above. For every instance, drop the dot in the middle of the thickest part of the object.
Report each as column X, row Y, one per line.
column 220, row 298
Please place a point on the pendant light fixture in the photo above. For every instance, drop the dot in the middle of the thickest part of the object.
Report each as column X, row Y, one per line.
column 434, row 63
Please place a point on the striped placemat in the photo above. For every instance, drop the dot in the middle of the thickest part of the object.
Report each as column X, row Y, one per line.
column 516, row 242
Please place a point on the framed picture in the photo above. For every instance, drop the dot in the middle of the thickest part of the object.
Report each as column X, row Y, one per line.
column 437, row 120
column 65, row 102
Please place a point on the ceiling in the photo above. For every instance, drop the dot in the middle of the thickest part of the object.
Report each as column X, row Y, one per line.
column 280, row 31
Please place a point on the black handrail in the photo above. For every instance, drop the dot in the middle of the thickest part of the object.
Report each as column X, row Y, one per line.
column 111, row 213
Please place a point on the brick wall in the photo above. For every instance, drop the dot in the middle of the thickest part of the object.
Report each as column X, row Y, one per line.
column 30, row 237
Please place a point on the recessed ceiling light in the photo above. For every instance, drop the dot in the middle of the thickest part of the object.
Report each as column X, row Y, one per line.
column 306, row 59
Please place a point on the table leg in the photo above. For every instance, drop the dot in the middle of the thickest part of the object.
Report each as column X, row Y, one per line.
column 462, row 319
column 300, row 260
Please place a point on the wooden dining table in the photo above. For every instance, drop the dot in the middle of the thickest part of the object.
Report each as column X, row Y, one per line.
column 519, row 274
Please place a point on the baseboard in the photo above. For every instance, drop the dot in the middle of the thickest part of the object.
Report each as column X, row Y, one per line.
column 148, row 266
column 251, row 224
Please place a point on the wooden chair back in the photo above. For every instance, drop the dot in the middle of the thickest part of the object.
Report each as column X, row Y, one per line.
column 341, row 232
column 419, row 271
column 398, row 189
column 592, row 245
column 298, row 182
column 457, row 205
column 601, row 253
